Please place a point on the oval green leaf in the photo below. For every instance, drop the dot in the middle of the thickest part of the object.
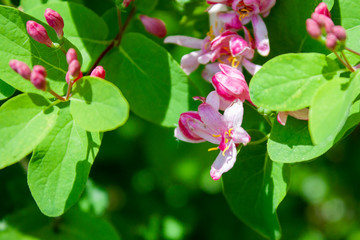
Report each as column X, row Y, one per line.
column 254, row 188
column 289, row 82
column 152, row 81
column 5, row 90
column 98, row 105
column 24, row 122
column 60, row 165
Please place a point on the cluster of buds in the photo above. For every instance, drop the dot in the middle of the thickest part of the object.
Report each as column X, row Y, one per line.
column 37, row 76
column 39, row 33
column 320, row 26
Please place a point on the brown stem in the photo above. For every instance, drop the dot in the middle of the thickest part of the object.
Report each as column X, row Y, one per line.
column 342, row 61
column 350, row 50
column 115, row 42
column 347, row 62
column 69, row 90
column 56, row 95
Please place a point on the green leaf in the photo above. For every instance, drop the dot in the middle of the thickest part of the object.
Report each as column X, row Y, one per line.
column 349, row 12
column 326, row 116
column 5, row 90
column 254, row 188
column 60, row 165
column 146, row 6
column 329, row 3
column 292, row 142
column 30, row 224
column 84, row 28
column 16, row 44
column 98, row 105
column 289, row 82
column 152, row 81
column 24, row 121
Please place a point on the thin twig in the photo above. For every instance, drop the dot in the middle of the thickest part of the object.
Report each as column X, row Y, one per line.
column 56, row 95
column 71, row 83
column 342, row 61
column 116, row 42
column 347, row 61
column 260, row 140
column 350, row 50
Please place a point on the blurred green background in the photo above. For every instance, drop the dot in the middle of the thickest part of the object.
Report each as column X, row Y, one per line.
column 148, row 185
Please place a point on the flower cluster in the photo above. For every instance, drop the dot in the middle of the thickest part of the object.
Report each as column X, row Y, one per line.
column 37, row 76
column 224, row 52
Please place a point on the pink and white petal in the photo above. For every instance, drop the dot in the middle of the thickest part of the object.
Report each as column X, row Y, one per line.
column 205, row 58
column 261, row 35
column 185, row 41
column 282, row 117
column 252, row 68
column 231, row 20
column 212, row 118
column 231, row 72
column 204, row 132
column 239, row 135
column 233, row 115
column 265, row 6
column 224, row 104
column 213, row 99
column 179, row 135
column 210, row 70
column 189, row 62
column 223, row 162
column 302, row 114
column 237, row 45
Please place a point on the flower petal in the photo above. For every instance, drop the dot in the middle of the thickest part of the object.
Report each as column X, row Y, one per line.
column 185, row 41
column 210, row 70
column 212, row 118
column 189, row 62
column 302, row 114
column 233, row 115
column 224, row 162
column 251, row 67
column 179, row 135
column 261, row 35
column 282, row 117
column 213, row 99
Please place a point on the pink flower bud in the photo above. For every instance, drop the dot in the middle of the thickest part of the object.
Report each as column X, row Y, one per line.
column 339, row 32
column 185, row 129
column 323, row 21
column 74, row 69
column 230, row 84
column 40, row 69
column 313, row 28
column 38, row 33
column 127, row 2
column 55, row 21
column 21, row 68
column 71, row 55
column 331, row 41
column 38, row 77
column 99, row 72
column 154, row 26
column 323, row 10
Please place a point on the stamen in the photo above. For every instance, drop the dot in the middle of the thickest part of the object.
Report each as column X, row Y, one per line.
column 223, row 153
column 235, row 63
column 216, row 135
column 230, row 130
column 213, row 149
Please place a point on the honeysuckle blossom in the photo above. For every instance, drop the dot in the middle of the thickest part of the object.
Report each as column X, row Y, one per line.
column 250, row 10
column 190, row 62
column 230, row 85
column 223, row 130
column 302, row 114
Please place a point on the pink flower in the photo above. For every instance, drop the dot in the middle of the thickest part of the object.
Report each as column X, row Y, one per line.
column 99, row 72
column 230, row 84
column 223, row 130
column 38, row 77
column 21, row 68
column 323, row 10
column 127, row 2
column 302, row 114
column 154, row 26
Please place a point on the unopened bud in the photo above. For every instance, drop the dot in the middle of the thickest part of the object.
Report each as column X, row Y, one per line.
column 339, row 32
column 323, row 10
column 40, row 69
column 55, row 21
column 38, row 78
column 21, row 68
column 38, row 33
column 313, row 28
column 323, row 21
column 331, row 41
column 154, row 26
column 71, row 55
column 99, row 72
column 127, row 2
column 74, row 72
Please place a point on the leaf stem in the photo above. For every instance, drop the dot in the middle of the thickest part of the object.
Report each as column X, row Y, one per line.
column 342, row 61
column 268, row 120
column 260, row 140
column 350, row 50
column 56, row 95
column 68, row 92
column 116, row 42
column 347, row 61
